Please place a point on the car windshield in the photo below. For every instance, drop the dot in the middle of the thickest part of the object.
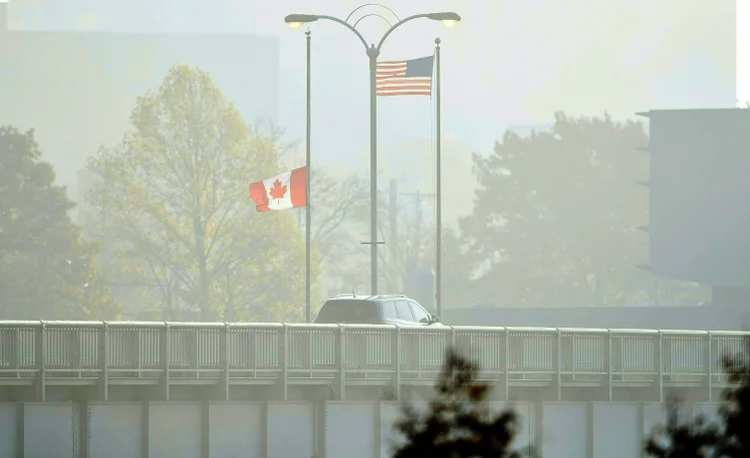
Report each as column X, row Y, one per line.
column 348, row 311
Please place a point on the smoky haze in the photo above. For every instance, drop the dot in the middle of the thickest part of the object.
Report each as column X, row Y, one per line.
column 539, row 135
column 513, row 63
column 165, row 241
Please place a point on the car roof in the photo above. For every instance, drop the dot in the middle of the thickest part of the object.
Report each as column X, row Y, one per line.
column 379, row 297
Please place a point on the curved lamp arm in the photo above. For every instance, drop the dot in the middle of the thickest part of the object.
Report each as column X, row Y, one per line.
column 371, row 4
column 410, row 18
column 370, row 15
column 348, row 26
column 296, row 20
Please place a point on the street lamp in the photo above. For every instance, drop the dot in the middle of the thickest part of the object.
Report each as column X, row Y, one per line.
column 296, row 21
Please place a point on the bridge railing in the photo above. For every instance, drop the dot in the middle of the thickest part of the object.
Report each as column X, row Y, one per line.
column 148, row 349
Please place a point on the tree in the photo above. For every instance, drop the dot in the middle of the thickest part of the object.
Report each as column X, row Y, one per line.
column 555, row 214
column 47, row 271
column 729, row 437
column 336, row 207
column 456, row 425
column 350, row 268
column 457, row 268
column 411, row 164
column 175, row 191
column 735, row 411
column 679, row 439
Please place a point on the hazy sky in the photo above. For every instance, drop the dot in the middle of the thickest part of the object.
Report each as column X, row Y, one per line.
column 507, row 63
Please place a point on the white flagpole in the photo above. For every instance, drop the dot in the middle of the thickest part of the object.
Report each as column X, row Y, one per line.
column 308, row 214
column 438, row 211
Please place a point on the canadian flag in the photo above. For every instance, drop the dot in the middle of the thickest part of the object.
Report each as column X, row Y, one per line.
column 283, row 191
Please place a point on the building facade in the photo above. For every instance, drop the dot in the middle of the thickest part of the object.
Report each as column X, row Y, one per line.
column 76, row 89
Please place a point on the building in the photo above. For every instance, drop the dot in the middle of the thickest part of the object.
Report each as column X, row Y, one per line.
column 77, row 89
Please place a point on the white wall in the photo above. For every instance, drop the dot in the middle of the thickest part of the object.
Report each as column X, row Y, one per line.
column 297, row 429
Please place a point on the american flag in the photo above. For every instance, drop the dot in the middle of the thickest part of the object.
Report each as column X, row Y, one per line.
column 405, row 77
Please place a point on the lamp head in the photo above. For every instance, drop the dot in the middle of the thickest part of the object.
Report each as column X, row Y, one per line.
column 295, row 21
column 448, row 19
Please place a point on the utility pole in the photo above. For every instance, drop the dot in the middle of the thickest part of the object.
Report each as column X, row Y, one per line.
column 416, row 285
column 418, row 199
column 393, row 222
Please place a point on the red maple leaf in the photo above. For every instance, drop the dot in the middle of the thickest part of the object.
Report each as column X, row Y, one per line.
column 277, row 191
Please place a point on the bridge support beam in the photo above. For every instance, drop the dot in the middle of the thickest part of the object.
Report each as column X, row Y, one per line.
column 319, row 428
column 377, row 409
column 264, row 425
column 145, row 419
column 537, row 413
column 205, row 429
column 640, row 415
column 20, row 434
column 82, row 411
column 590, row 430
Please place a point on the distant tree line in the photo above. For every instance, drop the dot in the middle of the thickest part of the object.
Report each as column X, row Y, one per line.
column 168, row 227
column 47, row 268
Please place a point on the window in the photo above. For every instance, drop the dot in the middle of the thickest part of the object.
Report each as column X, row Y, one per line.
column 402, row 307
column 348, row 311
column 420, row 314
column 389, row 311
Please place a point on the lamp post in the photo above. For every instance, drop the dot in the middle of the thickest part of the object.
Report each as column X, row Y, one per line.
column 296, row 21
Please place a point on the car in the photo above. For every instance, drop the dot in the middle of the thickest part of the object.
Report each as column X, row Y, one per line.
column 381, row 309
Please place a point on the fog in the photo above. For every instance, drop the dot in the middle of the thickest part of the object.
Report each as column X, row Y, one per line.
column 514, row 77
column 176, row 279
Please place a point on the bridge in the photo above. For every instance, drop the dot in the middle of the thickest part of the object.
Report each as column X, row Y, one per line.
column 249, row 361
column 94, row 389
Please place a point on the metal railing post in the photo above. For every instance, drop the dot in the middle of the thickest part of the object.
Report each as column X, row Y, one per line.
column 224, row 352
column 506, row 366
column 396, row 361
column 709, row 367
column 193, row 347
column 283, row 362
column 17, row 351
column 340, row 364
column 166, row 361
column 609, row 364
column 41, row 362
column 103, row 357
column 558, row 366
column 76, row 350
column 660, row 361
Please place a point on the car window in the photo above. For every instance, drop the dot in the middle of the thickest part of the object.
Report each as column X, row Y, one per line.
column 348, row 311
column 420, row 314
column 402, row 307
column 389, row 311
